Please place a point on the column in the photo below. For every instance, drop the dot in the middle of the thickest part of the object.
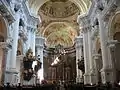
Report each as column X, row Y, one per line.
column 96, row 58
column 79, row 55
column 33, row 46
column 86, row 57
column 92, row 69
column 29, row 38
column 19, row 66
column 107, row 70
column 111, row 45
column 12, row 65
column 40, row 47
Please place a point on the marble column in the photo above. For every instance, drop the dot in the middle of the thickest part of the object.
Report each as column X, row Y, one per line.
column 33, row 43
column 40, row 47
column 12, row 65
column 19, row 66
column 29, row 38
column 107, row 71
column 92, row 69
column 86, row 57
column 96, row 58
column 79, row 55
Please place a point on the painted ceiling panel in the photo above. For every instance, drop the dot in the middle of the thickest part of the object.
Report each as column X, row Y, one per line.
column 60, row 33
column 59, row 9
column 59, row 19
column 83, row 5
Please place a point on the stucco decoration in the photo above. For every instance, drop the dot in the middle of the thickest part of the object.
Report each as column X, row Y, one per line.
column 59, row 9
column 35, row 5
column 114, row 25
column 60, row 33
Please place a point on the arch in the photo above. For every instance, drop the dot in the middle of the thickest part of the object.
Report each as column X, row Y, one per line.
column 114, row 34
column 114, row 25
column 65, row 23
column 61, row 31
column 116, row 56
column 34, row 5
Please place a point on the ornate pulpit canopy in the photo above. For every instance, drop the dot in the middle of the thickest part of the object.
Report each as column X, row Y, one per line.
column 27, row 65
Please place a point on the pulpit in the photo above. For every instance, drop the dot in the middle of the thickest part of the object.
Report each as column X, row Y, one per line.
column 28, row 70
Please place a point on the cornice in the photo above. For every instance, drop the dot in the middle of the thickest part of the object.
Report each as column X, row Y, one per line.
column 29, row 16
column 6, row 11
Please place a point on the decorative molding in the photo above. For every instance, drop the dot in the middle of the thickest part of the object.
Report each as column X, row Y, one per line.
column 112, row 43
column 109, row 10
column 40, row 42
column 6, row 11
column 5, row 45
column 31, row 20
column 59, row 9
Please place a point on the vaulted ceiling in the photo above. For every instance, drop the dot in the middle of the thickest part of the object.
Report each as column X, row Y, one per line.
column 58, row 19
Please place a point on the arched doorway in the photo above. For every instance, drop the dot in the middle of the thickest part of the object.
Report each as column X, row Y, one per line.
column 3, row 36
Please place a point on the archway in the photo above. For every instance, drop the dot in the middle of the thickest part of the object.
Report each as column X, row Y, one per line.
column 117, row 56
column 83, row 5
column 114, row 34
column 3, row 36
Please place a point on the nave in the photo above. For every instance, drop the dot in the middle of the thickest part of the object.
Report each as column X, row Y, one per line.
column 60, row 44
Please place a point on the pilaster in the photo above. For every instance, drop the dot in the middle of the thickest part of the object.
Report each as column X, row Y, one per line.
column 79, row 55
column 111, row 45
column 19, row 68
column 107, row 72
column 85, row 24
column 96, row 58
column 92, row 69
column 40, row 47
column 11, row 73
column 4, row 46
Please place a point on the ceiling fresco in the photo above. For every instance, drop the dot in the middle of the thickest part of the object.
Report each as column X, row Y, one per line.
column 60, row 33
column 58, row 19
column 35, row 5
column 59, row 9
